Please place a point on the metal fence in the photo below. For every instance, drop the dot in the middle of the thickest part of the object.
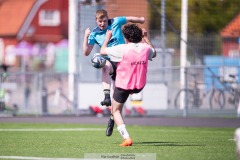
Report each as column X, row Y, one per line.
column 47, row 94
column 43, row 93
column 36, row 93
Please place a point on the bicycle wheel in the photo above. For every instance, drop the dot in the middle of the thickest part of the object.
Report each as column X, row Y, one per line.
column 221, row 100
column 189, row 98
column 236, row 99
column 217, row 96
column 2, row 106
column 211, row 99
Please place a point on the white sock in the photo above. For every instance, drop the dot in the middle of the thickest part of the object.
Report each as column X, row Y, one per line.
column 123, row 131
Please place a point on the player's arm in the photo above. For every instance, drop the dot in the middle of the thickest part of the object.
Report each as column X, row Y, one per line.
column 147, row 40
column 105, row 43
column 135, row 19
column 87, row 48
column 115, row 52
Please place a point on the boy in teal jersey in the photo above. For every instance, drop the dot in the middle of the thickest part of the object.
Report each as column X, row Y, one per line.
column 97, row 36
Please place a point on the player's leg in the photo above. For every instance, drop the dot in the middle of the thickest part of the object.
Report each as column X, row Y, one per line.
column 107, row 71
column 110, row 126
column 106, row 81
column 119, row 98
column 117, row 114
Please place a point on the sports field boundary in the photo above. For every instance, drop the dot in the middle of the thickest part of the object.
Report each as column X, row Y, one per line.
column 49, row 129
column 38, row 158
column 145, row 121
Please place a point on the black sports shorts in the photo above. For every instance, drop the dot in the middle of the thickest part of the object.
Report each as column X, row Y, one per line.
column 121, row 95
column 114, row 65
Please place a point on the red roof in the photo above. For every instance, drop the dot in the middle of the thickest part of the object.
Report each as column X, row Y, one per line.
column 232, row 29
column 12, row 15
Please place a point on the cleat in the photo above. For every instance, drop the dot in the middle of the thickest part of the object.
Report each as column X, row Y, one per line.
column 106, row 102
column 126, row 142
column 110, row 127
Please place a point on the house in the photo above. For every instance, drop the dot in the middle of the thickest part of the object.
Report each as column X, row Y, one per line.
column 137, row 8
column 33, row 21
column 231, row 38
column 40, row 22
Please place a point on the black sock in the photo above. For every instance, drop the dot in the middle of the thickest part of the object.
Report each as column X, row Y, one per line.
column 111, row 117
column 106, row 93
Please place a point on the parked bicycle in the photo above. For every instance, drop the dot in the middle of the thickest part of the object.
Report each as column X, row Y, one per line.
column 233, row 88
column 58, row 98
column 3, row 91
column 230, row 86
column 194, row 97
column 217, row 94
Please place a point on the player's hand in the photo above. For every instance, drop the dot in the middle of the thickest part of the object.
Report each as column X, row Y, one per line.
column 87, row 32
column 142, row 19
column 109, row 34
column 144, row 33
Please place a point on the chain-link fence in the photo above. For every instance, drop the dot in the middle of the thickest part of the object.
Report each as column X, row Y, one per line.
column 209, row 90
column 46, row 92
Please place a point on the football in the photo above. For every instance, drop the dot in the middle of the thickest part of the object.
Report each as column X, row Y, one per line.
column 98, row 61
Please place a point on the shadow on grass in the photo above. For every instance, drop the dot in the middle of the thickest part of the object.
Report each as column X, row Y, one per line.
column 182, row 144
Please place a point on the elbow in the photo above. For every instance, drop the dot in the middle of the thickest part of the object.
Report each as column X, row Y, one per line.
column 155, row 54
column 142, row 20
column 102, row 52
column 86, row 53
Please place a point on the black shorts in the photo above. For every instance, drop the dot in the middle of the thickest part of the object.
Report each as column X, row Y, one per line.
column 114, row 65
column 121, row 95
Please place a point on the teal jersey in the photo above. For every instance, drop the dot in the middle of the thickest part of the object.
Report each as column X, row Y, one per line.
column 97, row 35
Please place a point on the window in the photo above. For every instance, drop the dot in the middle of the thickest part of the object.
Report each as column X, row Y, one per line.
column 49, row 18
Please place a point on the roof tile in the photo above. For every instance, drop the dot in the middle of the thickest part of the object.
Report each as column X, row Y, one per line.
column 232, row 29
column 12, row 15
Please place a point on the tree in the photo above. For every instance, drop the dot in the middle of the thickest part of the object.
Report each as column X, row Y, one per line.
column 204, row 16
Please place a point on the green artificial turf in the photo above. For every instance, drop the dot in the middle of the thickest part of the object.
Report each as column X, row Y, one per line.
column 169, row 143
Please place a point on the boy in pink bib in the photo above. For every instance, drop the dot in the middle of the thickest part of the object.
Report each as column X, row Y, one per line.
column 132, row 59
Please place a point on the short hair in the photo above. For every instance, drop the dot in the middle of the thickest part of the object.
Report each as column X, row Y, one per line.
column 101, row 14
column 132, row 33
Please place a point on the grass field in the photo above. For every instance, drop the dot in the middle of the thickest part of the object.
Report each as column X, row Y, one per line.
column 73, row 140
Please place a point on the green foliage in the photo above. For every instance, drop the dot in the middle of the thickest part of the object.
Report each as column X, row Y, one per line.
column 169, row 143
column 204, row 16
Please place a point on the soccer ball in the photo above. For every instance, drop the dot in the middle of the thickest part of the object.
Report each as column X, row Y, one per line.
column 98, row 61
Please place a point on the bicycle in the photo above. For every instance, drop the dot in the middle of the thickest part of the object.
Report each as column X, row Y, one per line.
column 193, row 95
column 194, row 99
column 3, row 91
column 218, row 97
column 231, row 86
column 58, row 98
column 234, row 89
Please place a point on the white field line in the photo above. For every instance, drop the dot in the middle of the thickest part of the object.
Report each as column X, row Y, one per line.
column 39, row 158
column 49, row 129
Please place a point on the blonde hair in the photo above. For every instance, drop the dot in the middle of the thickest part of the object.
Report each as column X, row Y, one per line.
column 101, row 14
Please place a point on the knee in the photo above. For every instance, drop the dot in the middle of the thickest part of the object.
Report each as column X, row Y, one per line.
column 105, row 69
column 115, row 111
